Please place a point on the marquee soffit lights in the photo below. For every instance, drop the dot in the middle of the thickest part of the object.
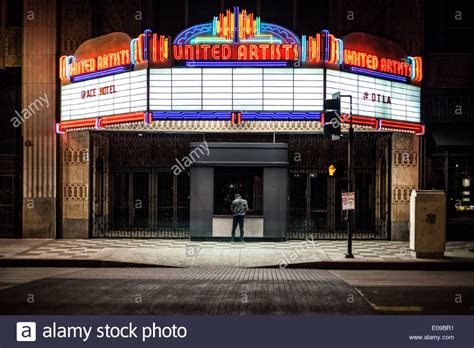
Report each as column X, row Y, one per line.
column 147, row 118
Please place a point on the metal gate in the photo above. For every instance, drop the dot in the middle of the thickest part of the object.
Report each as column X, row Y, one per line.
column 10, row 187
column 135, row 192
column 315, row 207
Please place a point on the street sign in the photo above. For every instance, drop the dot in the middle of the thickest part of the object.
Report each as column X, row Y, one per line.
column 348, row 201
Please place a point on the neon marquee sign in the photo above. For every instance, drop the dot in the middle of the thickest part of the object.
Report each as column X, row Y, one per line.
column 147, row 47
column 236, row 52
column 236, row 36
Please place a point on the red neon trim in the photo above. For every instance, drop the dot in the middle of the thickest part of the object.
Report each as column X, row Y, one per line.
column 66, row 125
column 132, row 117
column 155, row 47
column 361, row 120
column 414, row 127
column 62, row 68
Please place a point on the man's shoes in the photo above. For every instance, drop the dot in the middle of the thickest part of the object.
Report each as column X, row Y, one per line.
column 232, row 240
column 242, row 240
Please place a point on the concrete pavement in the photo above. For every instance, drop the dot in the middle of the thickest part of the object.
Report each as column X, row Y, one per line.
column 184, row 253
column 233, row 291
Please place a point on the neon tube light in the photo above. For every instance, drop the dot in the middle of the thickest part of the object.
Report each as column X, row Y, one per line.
column 303, row 48
column 262, row 63
column 146, row 33
column 417, row 128
column 99, row 73
column 225, row 116
column 378, row 74
column 362, row 121
column 75, row 124
column 125, row 118
column 179, row 115
column 209, row 39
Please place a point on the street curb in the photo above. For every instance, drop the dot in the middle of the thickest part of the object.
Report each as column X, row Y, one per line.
column 76, row 263
column 432, row 265
column 388, row 265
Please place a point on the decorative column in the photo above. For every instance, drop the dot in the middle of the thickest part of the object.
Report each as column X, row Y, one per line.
column 405, row 162
column 38, row 118
column 75, row 184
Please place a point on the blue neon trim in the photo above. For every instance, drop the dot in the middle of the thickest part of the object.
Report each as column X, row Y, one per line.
column 326, row 44
column 99, row 73
column 262, row 63
column 413, row 66
column 303, row 48
column 286, row 35
column 236, row 23
column 187, row 34
column 69, row 60
column 225, row 115
column 341, row 51
column 214, row 26
column 262, row 40
column 378, row 74
column 145, row 44
column 132, row 51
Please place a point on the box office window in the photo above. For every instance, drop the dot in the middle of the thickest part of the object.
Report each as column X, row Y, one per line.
column 248, row 181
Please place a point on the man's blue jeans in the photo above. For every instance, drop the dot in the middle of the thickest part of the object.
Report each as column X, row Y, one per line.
column 238, row 219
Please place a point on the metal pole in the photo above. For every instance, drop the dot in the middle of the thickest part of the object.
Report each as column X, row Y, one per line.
column 350, row 174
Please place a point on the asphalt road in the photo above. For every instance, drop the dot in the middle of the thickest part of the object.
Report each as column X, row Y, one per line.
column 233, row 291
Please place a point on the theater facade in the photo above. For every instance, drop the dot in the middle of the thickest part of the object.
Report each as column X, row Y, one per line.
column 157, row 133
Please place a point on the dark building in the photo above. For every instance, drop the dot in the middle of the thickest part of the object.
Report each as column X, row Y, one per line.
column 85, row 184
column 448, row 111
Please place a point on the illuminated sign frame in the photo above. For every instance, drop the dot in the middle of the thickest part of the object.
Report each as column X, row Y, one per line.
column 235, row 39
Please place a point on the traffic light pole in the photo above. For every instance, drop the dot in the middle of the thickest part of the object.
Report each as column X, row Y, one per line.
column 350, row 173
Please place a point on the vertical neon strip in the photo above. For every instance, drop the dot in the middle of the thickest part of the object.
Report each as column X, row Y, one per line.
column 412, row 63
column 236, row 24
column 166, row 47
column 318, row 47
column 146, row 34
column 132, row 51
column 258, row 25
column 214, row 26
column 333, row 49
column 341, row 51
column 154, row 56
column 62, row 67
column 325, row 32
column 303, row 48
column 69, row 60
column 140, row 41
column 419, row 68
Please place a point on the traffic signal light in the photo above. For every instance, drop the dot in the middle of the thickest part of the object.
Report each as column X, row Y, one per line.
column 332, row 123
column 332, row 116
column 336, row 170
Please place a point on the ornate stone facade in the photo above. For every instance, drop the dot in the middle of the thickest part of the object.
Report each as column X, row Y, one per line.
column 405, row 172
column 39, row 148
column 75, row 184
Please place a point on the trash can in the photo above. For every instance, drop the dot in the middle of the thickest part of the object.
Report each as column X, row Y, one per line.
column 427, row 223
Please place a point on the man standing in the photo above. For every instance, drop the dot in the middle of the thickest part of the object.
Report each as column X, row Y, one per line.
column 239, row 207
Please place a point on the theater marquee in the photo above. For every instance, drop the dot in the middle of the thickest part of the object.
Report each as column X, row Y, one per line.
column 237, row 64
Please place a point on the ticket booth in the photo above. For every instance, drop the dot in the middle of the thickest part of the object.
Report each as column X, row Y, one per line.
column 258, row 171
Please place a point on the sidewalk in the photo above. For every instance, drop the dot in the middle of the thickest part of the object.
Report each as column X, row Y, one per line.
column 184, row 253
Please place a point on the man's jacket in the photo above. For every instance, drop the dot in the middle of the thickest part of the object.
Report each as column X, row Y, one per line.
column 239, row 206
